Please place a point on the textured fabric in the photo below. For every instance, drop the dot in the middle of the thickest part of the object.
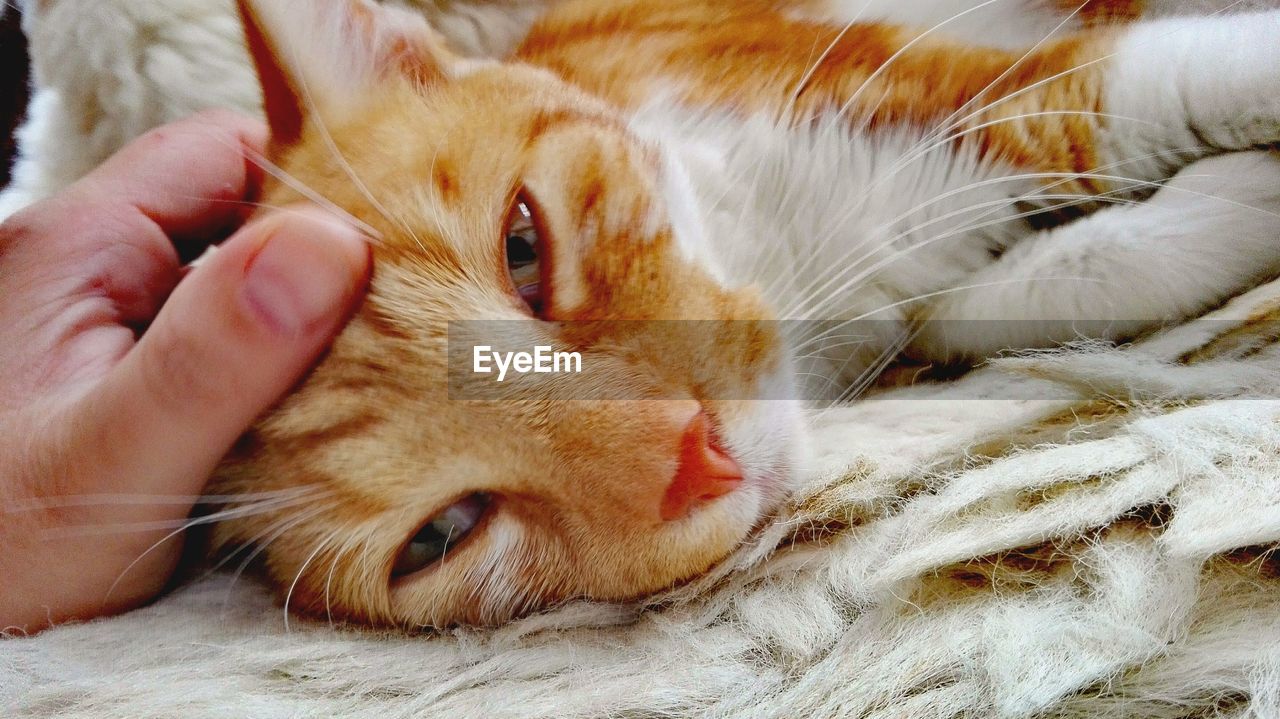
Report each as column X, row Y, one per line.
column 1102, row 546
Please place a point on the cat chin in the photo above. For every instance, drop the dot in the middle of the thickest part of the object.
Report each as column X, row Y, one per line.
column 770, row 443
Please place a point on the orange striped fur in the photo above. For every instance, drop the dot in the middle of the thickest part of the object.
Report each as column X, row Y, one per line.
column 752, row 57
column 1104, row 12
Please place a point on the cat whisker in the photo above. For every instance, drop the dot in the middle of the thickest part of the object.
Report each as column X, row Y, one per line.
column 368, row 564
column 1030, row 52
column 834, row 295
column 177, row 525
column 1021, row 91
column 276, row 530
column 288, row 597
column 871, row 372
column 1037, row 193
column 863, row 275
column 328, row 582
column 768, row 257
column 904, row 50
column 1076, row 199
column 315, row 197
column 266, row 165
column 328, row 586
column 199, row 521
column 290, row 209
column 1028, row 115
column 858, row 340
column 945, row 127
column 345, row 165
column 894, row 348
column 820, row 285
column 786, row 118
column 444, row 552
column 821, row 244
column 813, row 68
column 961, row 288
column 827, row 335
column 1046, row 80
column 822, row 337
column 96, row 500
column 1064, row 178
column 923, row 152
column 222, row 562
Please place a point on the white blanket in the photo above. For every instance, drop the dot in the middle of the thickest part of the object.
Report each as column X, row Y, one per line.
column 1103, row 546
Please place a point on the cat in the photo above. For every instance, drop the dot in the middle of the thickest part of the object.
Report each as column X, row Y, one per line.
column 729, row 162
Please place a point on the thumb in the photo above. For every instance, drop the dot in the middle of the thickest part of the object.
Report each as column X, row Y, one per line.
column 234, row 336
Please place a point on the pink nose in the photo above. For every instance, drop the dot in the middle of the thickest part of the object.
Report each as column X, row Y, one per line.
column 705, row 471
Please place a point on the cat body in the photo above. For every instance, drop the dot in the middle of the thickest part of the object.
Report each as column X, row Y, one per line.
column 727, row 162
column 841, row 216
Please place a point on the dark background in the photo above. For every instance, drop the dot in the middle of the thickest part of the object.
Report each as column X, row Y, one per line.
column 13, row 85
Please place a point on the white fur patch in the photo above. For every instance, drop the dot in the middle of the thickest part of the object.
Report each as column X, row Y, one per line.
column 837, row 225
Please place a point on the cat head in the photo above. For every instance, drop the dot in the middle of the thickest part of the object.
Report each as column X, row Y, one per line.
column 404, row 488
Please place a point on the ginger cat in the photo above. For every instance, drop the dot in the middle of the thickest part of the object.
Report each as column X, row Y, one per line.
column 725, row 161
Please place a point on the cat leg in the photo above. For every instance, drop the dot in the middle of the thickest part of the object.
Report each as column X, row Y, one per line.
column 1115, row 108
column 1208, row 234
column 1007, row 24
column 1018, row 23
column 1100, row 12
column 1180, row 88
column 1165, row 8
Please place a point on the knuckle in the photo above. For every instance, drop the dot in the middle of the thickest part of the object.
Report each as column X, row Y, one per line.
column 60, row 225
column 92, row 222
column 21, row 227
column 157, row 138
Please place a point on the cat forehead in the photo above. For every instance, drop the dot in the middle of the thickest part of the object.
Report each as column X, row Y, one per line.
column 468, row 138
column 494, row 96
column 445, row 168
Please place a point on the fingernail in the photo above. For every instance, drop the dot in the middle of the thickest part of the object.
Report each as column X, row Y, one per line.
column 305, row 272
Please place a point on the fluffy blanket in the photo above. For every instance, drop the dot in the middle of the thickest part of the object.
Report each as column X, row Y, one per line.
column 1084, row 533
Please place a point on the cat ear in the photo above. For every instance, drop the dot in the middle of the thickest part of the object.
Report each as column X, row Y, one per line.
column 324, row 55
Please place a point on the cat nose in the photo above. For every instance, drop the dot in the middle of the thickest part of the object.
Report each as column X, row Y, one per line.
column 704, row 472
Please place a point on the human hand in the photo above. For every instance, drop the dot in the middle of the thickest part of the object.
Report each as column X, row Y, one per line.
column 107, row 437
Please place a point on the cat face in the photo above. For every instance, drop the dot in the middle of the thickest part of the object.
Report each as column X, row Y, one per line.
column 497, row 193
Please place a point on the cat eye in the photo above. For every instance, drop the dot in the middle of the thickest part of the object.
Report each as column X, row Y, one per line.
column 445, row 530
column 523, row 266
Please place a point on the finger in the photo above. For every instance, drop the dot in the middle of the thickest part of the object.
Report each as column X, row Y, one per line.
column 235, row 335
column 112, row 233
column 190, row 177
column 57, row 252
